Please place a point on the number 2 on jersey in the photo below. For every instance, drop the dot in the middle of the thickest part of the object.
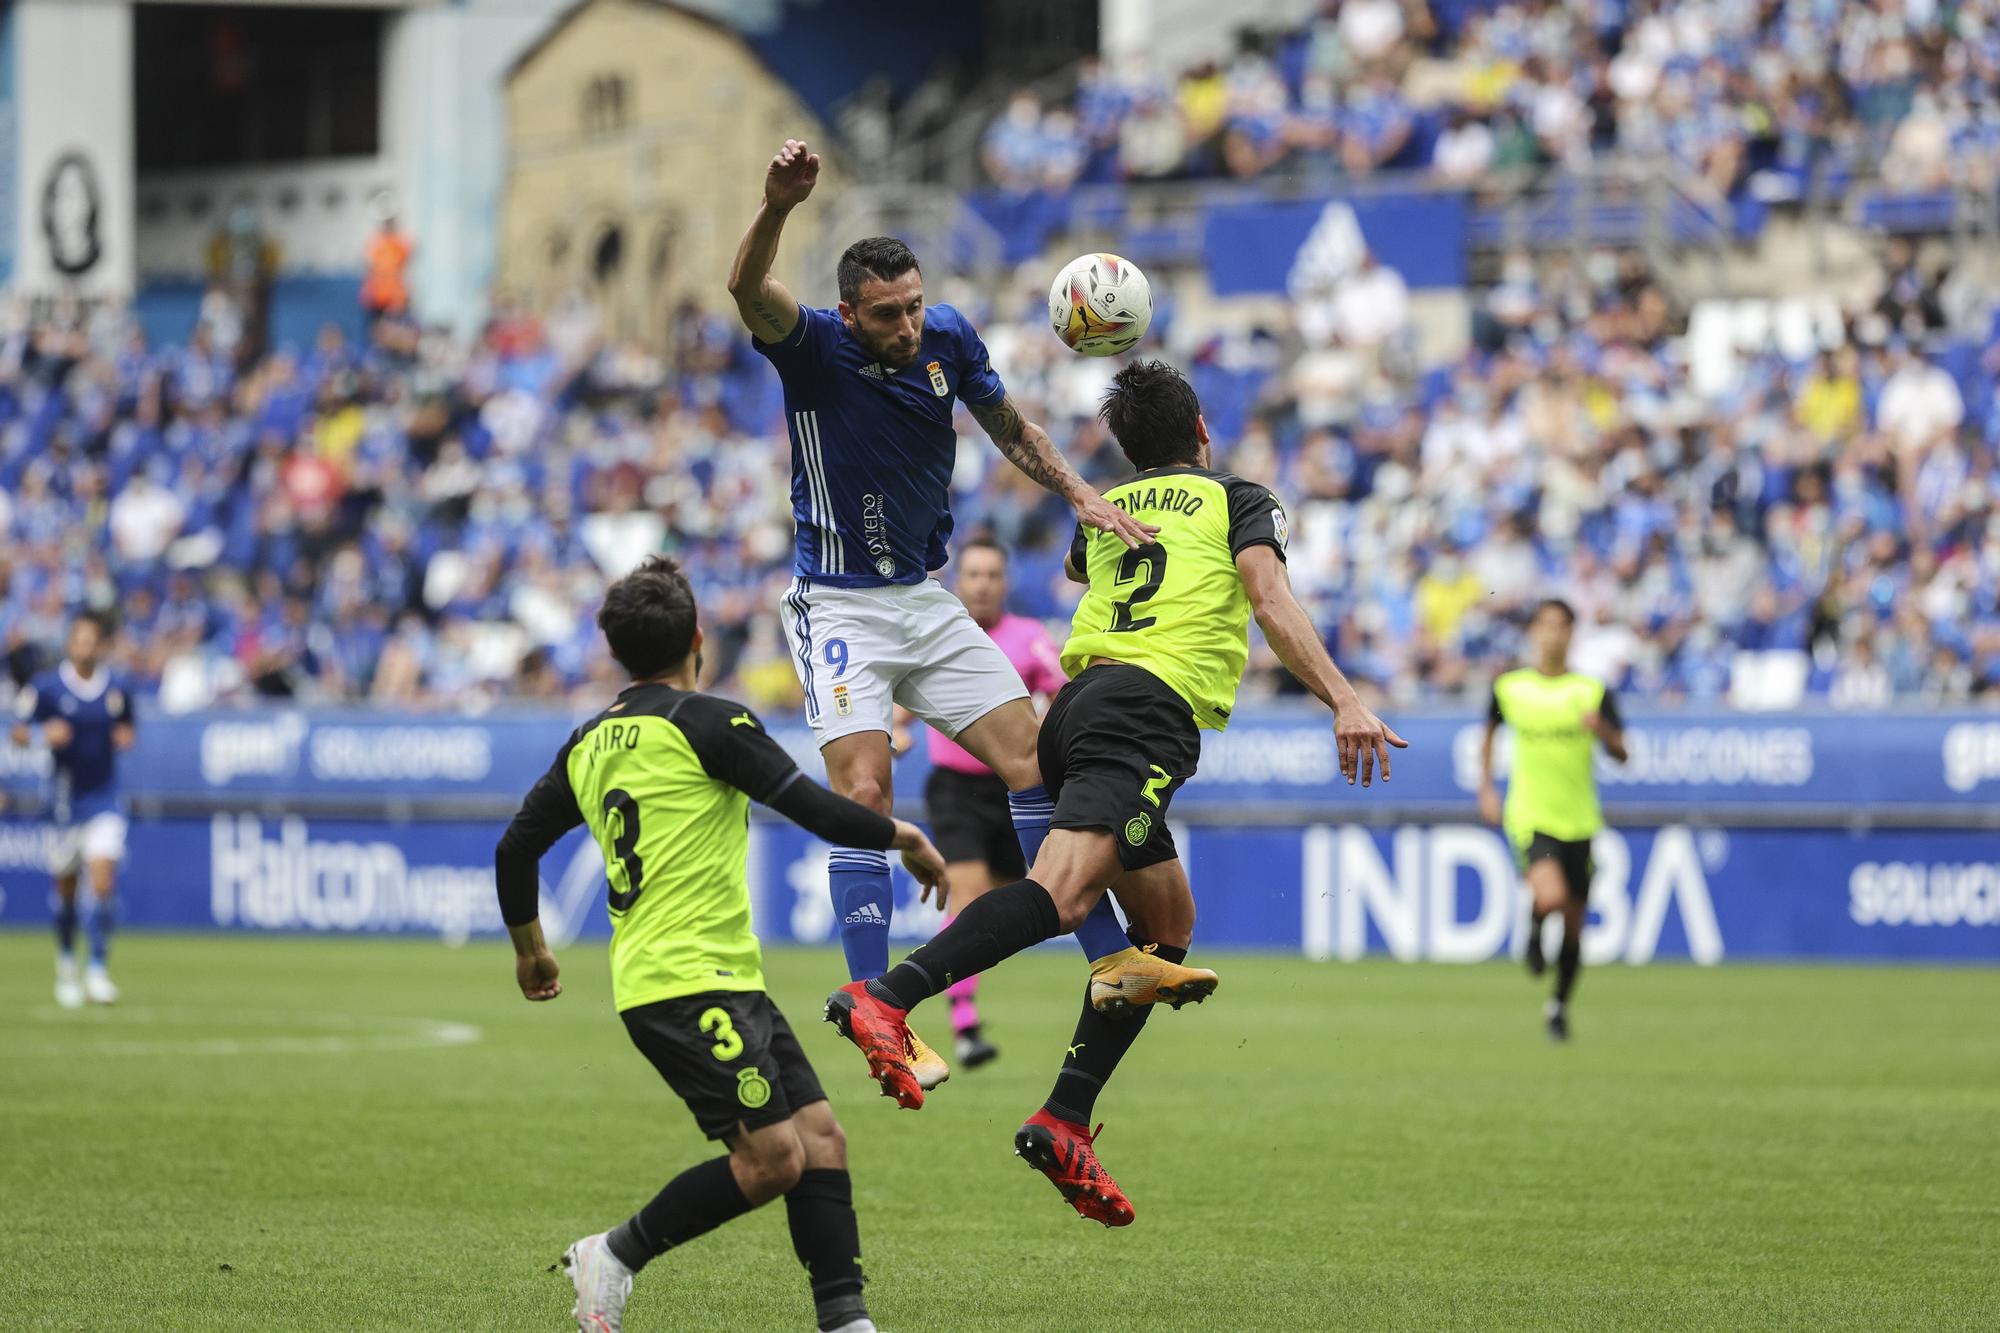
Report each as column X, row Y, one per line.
column 624, row 850
column 1154, row 557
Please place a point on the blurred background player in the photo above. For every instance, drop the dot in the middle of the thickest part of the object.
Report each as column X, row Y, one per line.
column 86, row 721
column 664, row 777
column 1551, row 812
column 964, row 800
column 1156, row 652
column 869, row 389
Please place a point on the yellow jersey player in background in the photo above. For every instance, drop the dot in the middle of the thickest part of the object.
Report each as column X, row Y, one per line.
column 1552, row 812
column 1155, row 655
column 664, row 778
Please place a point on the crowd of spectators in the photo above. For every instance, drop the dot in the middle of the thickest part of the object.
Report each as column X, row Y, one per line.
column 1814, row 526
column 1759, row 95
column 422, row 523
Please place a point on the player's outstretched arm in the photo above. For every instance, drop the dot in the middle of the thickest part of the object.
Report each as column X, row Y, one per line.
column 770, row 311
column 1029, row 448
column 844, row 823
column 734, row 748
column 1364, row 739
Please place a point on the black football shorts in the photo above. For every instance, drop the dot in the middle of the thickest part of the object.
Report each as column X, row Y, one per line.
column 970, row 821
column 1573, row 858
column 1116, row 745
column 730, row 1055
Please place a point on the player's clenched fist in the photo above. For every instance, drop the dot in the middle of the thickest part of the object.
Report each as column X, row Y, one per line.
column 791, row 175
column 537, row 975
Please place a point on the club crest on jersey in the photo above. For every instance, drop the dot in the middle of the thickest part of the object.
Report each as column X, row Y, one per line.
column 886, row 567
column 842, row 704
column 938, row 385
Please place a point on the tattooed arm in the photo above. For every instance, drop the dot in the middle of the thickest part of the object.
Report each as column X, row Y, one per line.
column 768, row 309
column 1029, row 448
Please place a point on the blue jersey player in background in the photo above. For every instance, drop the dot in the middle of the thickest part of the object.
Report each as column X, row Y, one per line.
column 869, row 392
column 86, row 721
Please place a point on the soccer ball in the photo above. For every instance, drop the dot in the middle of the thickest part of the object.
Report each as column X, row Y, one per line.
column 1101, row 305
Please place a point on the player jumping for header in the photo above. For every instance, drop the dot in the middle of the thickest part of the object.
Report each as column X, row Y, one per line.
column 869, row 388
column 664, row 778
column 86, row 721
column 1552, row 811
column 1155, row 654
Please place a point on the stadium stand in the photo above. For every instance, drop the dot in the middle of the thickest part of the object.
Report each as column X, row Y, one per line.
column 429, row 523
column 1756, row 99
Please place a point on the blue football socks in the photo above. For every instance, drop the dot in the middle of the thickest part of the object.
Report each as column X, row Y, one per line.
column 862, row 904
column 1100, row 934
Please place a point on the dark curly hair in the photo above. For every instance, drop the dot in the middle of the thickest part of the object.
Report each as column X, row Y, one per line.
column 648, row 618
column 1151, row 409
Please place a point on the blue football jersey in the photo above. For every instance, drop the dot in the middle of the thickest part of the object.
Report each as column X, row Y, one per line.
column 85, row 777
column 872, row 448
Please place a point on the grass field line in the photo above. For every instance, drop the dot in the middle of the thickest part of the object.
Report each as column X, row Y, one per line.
column 351, row 1034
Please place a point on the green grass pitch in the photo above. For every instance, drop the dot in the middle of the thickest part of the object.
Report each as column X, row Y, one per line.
column 268, row 1134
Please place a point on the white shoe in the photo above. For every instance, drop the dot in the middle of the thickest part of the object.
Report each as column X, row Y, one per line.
column 98, row 987
column 858, row 1326
column 69, row 991
column 603, row 1285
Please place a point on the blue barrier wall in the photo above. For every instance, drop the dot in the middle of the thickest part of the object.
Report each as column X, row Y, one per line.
column 1734, row 836
column 1687, row 765
column 1442, row 892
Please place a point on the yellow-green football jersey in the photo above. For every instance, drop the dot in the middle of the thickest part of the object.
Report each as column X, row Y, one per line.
column 1176, row 606
column 664, row 779
column 1551, row 787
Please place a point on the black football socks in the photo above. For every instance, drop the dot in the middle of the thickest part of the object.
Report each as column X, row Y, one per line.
column 695, row 1202
column 1569, row 961
column 993, row 926
column 1099, row 1044
column 827, row 1240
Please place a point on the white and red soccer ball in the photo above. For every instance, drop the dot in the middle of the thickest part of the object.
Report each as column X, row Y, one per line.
column 1100, row 305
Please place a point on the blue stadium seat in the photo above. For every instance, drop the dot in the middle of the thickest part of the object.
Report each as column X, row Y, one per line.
column 1910, row 214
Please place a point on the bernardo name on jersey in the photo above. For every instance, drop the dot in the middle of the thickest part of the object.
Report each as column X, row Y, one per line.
column 1176, row 606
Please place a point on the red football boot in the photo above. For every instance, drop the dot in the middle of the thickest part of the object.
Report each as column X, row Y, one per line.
column 879, row 1030
column 1061, row 1150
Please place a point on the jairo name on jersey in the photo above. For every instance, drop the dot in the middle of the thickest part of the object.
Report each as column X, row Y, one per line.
column 614, row 736
column 1164, row 499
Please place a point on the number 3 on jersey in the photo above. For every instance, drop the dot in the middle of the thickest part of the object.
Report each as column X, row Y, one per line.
column 621, row 858
column 1153, row 557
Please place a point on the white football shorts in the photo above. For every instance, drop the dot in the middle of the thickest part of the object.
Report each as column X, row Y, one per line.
column 859, row 651
column 99, row 837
